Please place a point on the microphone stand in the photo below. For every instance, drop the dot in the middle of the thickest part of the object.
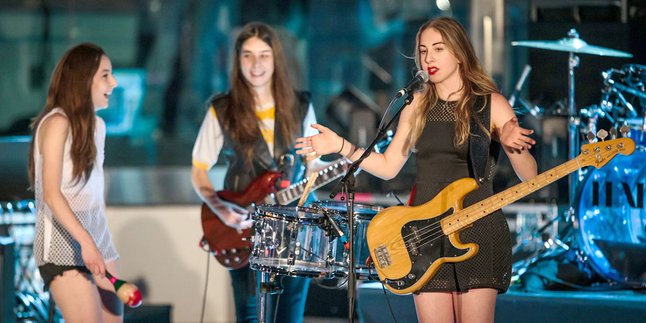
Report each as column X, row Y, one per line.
column 347, row 184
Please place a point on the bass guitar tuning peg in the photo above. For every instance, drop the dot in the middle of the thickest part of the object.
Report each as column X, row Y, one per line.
column 613, row 133
column 590, row 136
column 602, row 134
column 624, row 130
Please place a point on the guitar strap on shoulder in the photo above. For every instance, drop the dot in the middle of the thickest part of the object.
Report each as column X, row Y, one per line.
column 480, row 143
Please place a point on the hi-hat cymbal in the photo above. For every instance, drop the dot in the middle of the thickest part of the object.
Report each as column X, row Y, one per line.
column 573, row 45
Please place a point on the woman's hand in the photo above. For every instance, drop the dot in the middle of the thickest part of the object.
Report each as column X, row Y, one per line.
column 233, row 215
column 93, row 259
column 514, row 138
column 323, row 143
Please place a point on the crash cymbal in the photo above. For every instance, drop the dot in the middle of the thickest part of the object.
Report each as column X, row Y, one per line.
column 572, row 44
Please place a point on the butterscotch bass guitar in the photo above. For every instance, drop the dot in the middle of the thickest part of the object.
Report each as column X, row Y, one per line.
column 232, row 248
column 401, row 239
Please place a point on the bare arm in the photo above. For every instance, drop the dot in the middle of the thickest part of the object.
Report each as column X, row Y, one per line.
column 385, row 166
column 231, row 214
column 513, row 138
column 51, row 142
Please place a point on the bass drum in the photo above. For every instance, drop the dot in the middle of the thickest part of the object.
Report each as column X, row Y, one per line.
column 612, row 221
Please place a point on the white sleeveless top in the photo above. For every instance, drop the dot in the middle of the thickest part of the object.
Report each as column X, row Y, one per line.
column 52, row 243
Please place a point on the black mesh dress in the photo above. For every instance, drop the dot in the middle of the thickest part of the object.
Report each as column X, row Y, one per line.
column 439, row 163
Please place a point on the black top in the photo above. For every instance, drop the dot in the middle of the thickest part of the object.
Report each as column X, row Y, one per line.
column 439, row 163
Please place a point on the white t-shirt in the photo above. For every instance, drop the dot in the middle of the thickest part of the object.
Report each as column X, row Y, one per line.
column 210, row 138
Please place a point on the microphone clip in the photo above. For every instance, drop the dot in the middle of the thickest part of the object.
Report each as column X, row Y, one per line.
column 336, row 231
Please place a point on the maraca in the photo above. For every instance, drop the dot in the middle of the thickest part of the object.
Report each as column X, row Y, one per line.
column 127, row 292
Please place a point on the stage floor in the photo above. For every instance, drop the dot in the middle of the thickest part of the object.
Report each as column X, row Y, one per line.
column 626, row 306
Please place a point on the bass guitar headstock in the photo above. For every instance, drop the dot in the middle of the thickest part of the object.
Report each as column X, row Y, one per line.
column 599, row 153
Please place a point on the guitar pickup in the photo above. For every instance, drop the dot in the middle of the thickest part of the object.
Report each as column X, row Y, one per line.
column 413, row 243
column 383, row 257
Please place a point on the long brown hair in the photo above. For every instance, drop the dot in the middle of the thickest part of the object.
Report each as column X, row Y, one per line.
column 70, row 89
column 475, row 82
column 239, row 118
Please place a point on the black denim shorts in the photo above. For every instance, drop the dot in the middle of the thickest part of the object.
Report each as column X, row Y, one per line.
column 49, row 271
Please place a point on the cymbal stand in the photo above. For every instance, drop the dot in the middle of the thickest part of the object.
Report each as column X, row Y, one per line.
column 573, row 121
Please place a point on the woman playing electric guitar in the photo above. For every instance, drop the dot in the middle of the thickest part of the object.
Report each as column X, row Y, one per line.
column 455, row 127
column 252, row 126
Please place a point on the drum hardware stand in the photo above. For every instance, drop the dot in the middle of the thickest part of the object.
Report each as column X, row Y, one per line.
column 573, row 120
column 269, row 285
column 347, row 184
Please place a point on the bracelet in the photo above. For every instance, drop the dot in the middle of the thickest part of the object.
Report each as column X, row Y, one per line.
column 342, row 145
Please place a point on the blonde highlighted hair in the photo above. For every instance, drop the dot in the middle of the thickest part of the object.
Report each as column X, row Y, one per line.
column 475, row 82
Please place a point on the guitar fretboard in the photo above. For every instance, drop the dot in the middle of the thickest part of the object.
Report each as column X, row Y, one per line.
column 325, row 176
column 467, row 216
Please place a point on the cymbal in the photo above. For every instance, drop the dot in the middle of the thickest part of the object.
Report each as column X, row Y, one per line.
column 573, row 45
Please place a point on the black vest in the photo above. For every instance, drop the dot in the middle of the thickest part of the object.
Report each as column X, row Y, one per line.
column 480, row 143
column 238, row 174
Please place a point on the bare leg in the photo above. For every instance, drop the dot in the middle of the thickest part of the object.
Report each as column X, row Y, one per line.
column 76, row 295
column 476, row 305
column 434, row 307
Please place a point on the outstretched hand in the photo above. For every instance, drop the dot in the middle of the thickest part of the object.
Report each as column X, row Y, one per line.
column 323, row 143
column 514, row 138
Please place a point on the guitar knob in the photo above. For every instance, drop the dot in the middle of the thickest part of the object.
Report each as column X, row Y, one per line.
column 227, row 261
column 234, row 251
column 237, row 260
column 223, row 252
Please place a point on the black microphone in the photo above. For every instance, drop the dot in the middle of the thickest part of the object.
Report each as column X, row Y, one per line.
column 420, row 78
column 519, row 85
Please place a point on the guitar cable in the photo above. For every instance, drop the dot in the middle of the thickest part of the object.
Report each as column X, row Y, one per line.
column 206, row 285
column 390, row 308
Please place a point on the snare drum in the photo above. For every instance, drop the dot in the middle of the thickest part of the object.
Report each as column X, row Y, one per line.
column 290, row 240
column 363, row 214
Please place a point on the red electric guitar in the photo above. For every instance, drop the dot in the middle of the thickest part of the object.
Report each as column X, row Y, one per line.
column 231, row 248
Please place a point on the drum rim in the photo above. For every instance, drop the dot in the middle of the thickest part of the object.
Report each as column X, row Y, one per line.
column 278, row 212
column 371, row 207
column 278, row 270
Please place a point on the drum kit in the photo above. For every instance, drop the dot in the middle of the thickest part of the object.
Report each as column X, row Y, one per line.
column 605, row 226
